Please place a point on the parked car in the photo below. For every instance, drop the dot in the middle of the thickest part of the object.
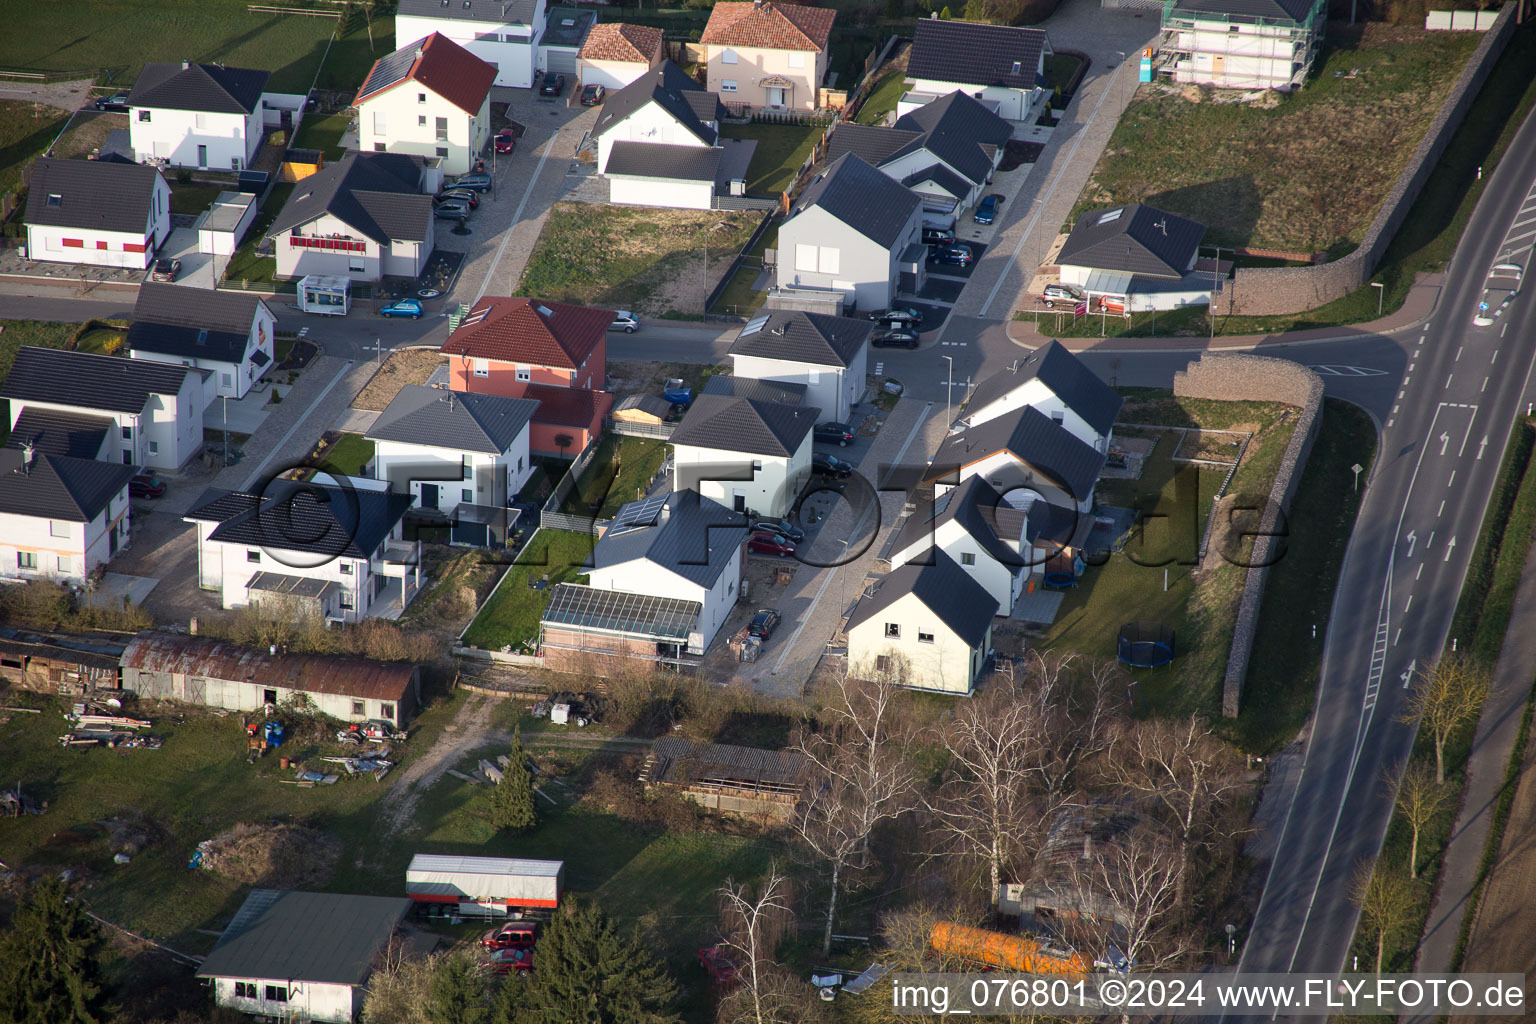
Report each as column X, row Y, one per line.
column 146, row 485
column 782, row 526
column 986, row 210
column 164, row 270
column 959, row 255
column 592, row 95
column 898, row 316
column 551, row 84
column 764, row 623
column 505, row 961
column 717, row 965
column 830, row 465
column 1055, row 293
column 516, row 935
column 453, row 209
column 411, row 308
column 624, row 320
column 834, row 433
column 506, row 139
column 938, row 236
column 469, row 197
column 477, row 180
column 897, row 337
column 770, row 544
column 117, row 102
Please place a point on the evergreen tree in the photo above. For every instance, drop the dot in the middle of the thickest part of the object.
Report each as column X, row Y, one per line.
column 512, row 804
column 49, row 972
column 586, row 970
column 458, row 991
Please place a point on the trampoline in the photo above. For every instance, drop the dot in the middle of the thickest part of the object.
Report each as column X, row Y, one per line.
column 1060, row 580
column 1145, row 644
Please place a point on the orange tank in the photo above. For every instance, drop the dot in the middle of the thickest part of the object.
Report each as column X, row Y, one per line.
column 1025, row 953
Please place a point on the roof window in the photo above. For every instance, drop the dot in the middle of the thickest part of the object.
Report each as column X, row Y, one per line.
column 1111, row 216
column 54, row 199
column 1018, row 66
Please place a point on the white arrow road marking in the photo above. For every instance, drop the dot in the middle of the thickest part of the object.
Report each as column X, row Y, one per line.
column 1481, row 445
column 1445, row 439
column 1410, row 538
column 1449, row 547
column 1408, row 673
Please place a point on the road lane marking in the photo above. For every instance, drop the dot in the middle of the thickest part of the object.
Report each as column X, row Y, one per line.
column 1484, row 387
column 1458, row 352
column 1496, row 351
column 1450, row 547
column 1407, row 604
column 1439, row 514
column 1419, row 573
column 1451, row 481
column 1448, row 380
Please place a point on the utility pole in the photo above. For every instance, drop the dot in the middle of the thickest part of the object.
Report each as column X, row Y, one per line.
column 1215, row 285
column 949, row 392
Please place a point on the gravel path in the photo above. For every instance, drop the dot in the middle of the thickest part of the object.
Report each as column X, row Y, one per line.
column 470, row 730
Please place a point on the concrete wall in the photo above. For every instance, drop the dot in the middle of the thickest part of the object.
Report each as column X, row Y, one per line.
column 1276, row 290
column 1246, row 378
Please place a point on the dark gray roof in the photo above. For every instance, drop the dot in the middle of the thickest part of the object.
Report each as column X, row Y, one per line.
column 376, row 194
column 941, row 176
column 745, row 425
column 660, row 160
column 651, row 405
column 501, row 12
column 192, row 323
column 89, row 381
column 567, row 27
column 1035, row 439
column 57, row 486
column 963, row 51
column 318, row 937
column 861, row 197
column 1269, row 10
column 60, row 433
column 204, row 87
column 958, row 130
column 681, row 762
column 947, row 590
column 1134, row 239
column 979, row 509
column 804, row 337
column 688, row 102
column 757, row 390
column 91, row 194
column 683, row 532
column 1068, row 378
column 467, row 422
column 316, row 519
column 872, row 143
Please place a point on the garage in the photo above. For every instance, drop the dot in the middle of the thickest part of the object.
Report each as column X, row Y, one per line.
column 564, row 32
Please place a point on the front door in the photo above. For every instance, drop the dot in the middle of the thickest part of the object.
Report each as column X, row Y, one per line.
column 429, row 495
column 202, row 156
column 776, row 97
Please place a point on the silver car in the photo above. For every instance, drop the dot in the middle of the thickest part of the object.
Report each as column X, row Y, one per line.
column 624, row 320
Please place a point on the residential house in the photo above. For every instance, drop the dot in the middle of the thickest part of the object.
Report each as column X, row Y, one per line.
column 227, row 334
column 945, row 151
column 827, row 354
column 196, row 115
column 767, row 55
column 430, row 98
column 152, row 412
column 60, row 517
column 332, row 550
column 1003, row 66
column 217, row 674
column 928, row 626
column 531, row 348
column 464, row 455
column 1137, row 257
column 616, row 53
column 749, row 455
column 664, row 577
column 96, row 212
column 57, row 432
column 67, row 664
column 1059, row 384
column 364, row 219
column 854, row 231
column 1242, row 44
column 727, row 778
column 565, row 32
column 990, row 540
column 757, row 390
column 301, row 955
column 502, row 33
column 1024, row 455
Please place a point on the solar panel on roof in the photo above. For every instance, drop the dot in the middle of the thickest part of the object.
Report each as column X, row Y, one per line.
column 619, row 612
column 639, row 514
column 475, row 317
column 753, row 326
column 1111, row 216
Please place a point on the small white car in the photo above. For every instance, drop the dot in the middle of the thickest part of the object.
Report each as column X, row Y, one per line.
column 624, row 320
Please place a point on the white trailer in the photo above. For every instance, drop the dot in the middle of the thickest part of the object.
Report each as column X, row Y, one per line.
column 485, row 885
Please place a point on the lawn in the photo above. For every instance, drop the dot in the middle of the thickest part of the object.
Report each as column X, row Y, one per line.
column 882, row 99
column 1305, row 173
column 740, row 297
column 245, row 265
column 324, row 134
column 781, row 149
column 193, row 199
column 510, row 618
column 647, row 260
column 1059, row 69
column 348, row 455
column 637, row 459
column 25, row 131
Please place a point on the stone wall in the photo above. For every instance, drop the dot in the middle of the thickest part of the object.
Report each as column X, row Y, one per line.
column 1267, row 291
column 1247, row 378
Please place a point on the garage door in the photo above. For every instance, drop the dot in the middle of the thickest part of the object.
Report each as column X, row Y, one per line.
column 559, row 59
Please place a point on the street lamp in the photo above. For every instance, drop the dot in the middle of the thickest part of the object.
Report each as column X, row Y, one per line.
column 1381, row 290
column 949, row 392
column 1215, row 286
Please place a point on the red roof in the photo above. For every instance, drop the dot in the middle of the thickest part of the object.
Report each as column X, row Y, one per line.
column 768, row 26
column 567, row 407
column 530, row 331
column 620, row 41
column 438, row 63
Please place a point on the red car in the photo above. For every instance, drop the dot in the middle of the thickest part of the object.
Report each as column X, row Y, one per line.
column 718, row 965
column 145, row 486
column 509, row 936
column 505, row 140
column 505, row 961
column 770, row 544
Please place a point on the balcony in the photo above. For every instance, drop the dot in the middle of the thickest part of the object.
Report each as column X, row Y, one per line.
column 332, row 244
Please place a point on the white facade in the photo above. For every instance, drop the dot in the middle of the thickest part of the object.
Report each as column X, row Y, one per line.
column 1011, row 104
column 774, row 481
column 1034, row 393
column 192, row 138
column 412, row 119
column 832, row 389
column 164, row 435
column 221, row 230
column 33, row 547
column 611, row 74
column 222, row 377
column 510, row 46
column 300, row 1000
column 648, row 124
column 901, row 167
column 305, row 251
column 1237, row 55
column 451, row 477
column 1005, row 582
column 643, row 576
column 669, row 192
column 1016, row 482
column 816, row 250
column 94, row 247
column 923, row 652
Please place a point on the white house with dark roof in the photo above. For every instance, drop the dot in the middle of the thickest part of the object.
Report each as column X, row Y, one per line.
column 988, row 538
column 430, row 98
column 153, row 411
column 301, row 955
column 747, row 454
column 1137, row 258
column 364, row 219
column 928, row 626
column 1025, row 456
column 196, row 115
column 828, row 355
column 503, row 33
column 614, row 54
column 227, row 334
column 97, row 212
column 60, row 517
column 1003, row 66
column 854, row 231
column 1242, row 44
column 1057, row 383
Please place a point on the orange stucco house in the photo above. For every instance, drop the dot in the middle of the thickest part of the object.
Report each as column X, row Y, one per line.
column 548, row 351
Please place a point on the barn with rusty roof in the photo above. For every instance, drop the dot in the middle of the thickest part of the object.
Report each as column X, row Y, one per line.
column 218, row 674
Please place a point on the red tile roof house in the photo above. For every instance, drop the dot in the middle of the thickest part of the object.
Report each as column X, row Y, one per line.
column 530, row 348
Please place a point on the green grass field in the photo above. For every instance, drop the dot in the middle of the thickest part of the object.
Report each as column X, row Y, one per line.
column 324, row 134
column 511, row 615
column 349, row 454
column 25, row 131
column 781, row 149
column 638, row 459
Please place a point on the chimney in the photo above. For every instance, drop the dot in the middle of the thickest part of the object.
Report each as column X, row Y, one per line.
column 28, row 453
column 185, row 64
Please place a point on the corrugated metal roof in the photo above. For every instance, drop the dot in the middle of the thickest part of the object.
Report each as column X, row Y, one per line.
column 95, row 651
column 321, row 937
column 314, row 673
column 677, row 761
column 485, row 865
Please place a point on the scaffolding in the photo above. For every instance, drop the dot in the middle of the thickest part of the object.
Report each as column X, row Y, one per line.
column 1204, row 45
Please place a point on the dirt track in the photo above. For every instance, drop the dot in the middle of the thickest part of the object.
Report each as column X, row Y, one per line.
column 470, row 730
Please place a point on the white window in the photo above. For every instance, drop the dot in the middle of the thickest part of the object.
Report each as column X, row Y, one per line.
column 831, row 259
column 442, row 129
column 379, row 122
column 356, row 265
column 57, row 529
column 728, row 57
column 813, row 377
column 797, row 60
column 143, row 115
column 967, row 558
column 226, row 380
column 26, row 559
column 421, row 120
column 805, row 258
column 154, row 447
column 728, row 85
column 482, row 368
column 893, row 631
column 65, row 564
column 924, row 638
column 346, row 568
column 526, row 373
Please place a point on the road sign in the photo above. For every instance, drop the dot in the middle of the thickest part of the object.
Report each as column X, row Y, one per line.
column 1080, row 310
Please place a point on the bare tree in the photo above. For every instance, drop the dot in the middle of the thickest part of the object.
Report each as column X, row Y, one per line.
column 1419, row 799
column 1127, row 890
column 1385, row 901
column 1446, row 695
column 753, row 926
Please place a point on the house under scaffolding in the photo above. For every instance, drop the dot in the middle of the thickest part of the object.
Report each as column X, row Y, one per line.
column 1240, row 44
column 734, row 780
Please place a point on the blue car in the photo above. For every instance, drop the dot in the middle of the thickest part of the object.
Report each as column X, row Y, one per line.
column 986, row 210
column 405, row 307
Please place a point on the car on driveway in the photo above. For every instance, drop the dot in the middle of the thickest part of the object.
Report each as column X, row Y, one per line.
column 517, row 935
column 592, row 95
column 764, row 623
column 938, row 236
column 146, row 485
column 1054, row 293
column 469, row 197
column 900, row 316
column 165, row 270
column 505, row 961
column 477, row 180
column 897, row 337
column 831, row 465
column 986, row 210
column 783, row 526
column 551, row 84
column 452, row 209
column 958, row 255
column 624, row 320
column 770, row 544
column 409, row 308
column 506, row 140
column 117, row 102
column 833, row 433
